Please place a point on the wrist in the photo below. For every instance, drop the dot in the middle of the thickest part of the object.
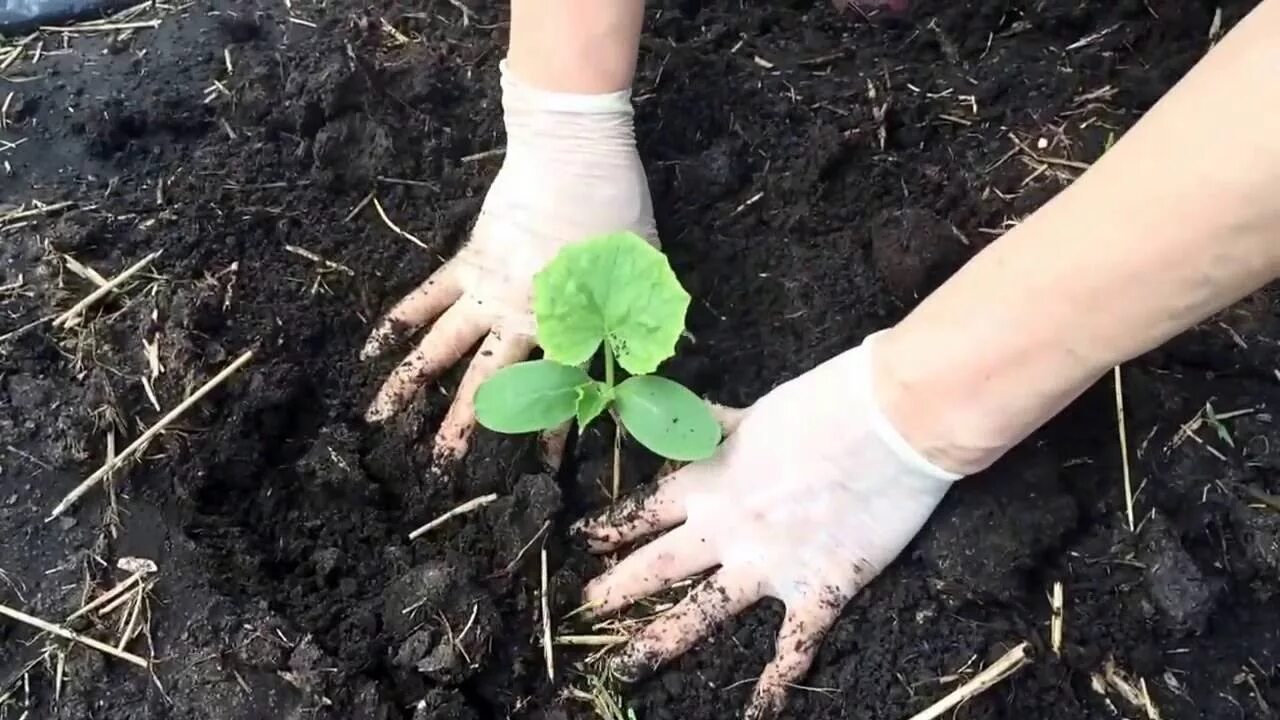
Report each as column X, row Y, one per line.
column 935, row 409
column 582, row 47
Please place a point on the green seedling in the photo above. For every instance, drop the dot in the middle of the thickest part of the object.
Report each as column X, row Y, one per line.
column 615, row 292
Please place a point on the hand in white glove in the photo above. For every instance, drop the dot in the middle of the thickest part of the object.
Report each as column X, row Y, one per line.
column 571, row 171
column 810, row 497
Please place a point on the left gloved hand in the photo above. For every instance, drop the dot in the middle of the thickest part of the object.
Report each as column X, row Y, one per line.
column 810, row 497
column 571, row 171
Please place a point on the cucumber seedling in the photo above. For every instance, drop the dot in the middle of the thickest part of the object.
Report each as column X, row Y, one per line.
column 618, row 293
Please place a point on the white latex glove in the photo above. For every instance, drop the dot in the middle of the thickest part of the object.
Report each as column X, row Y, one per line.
column 811, row 496
column 571, row 171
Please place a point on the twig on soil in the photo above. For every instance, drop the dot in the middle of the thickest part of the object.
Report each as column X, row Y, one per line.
column 83, row 270
column 57, row 677
column 496, row 152
column 1075, row 164
column 86, row 28
column 1091, row 38
column 1124, row 448
column 591, row 640
column 1265, row 498
column 359, row 206
column 983, row 681
column 1215, row 26
column 21, row 330
column 15, row 51
column 115, row 282
column 465, row 507
column 406, row 181
column 747, row 203
column 37, row 211
column 547, row 648
column 1134, row 694
column 1058, row 619
column 396, row 228
column 73, row 636
column 109, row 595
column 511, row 566
column 303, row 252
column 466, row 11
column 137, row 445
column 114, row 605
column 138, row 597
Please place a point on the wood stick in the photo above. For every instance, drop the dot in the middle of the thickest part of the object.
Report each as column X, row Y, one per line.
column 107, row 596
column 1124, row 448
column 137, row 445
column 97, row 294
column 980, row 683
column 547, row 649
column 102, row 27
column 591, row 640
column 396, row 228
column 465, row 507
column 1058, row 621
column 496, row 152
column 73, row 636
column 511, row 566
column 22, row 330
column 33, row 212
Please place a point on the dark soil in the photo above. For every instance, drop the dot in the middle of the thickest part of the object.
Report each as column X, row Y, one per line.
column 815, row 172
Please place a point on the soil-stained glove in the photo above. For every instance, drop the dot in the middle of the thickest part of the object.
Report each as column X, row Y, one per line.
column 809, row 498
column 571, row 171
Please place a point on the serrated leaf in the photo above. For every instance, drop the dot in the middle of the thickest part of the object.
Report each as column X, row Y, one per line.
column 667, row 417
column 593, row 398
column 616, row 287
column 529, row 396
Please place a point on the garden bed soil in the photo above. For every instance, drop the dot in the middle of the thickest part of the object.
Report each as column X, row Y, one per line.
column 814, row 173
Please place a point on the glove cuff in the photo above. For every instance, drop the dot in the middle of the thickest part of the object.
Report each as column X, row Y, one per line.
column 519, row 95
column 883, row 427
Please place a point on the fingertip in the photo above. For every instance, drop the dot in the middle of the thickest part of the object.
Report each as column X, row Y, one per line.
column 598, row 537
column 631, row 665
column 766, row 703
column 388, row 333
column 378, row 412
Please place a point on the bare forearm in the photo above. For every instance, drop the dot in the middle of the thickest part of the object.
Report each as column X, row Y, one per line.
column 1180, row 219
column 575, row 46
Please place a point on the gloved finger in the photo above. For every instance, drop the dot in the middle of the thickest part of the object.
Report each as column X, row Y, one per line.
column 498, row 350
column 417, row 308
column 551, row 444
column 640, row 515
column 655, row 566
column 798, row 641
column 718, row 598
column 728, row 417
column 457, row 330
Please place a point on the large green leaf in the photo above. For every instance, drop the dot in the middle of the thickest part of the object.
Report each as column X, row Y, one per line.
column 529, row 396
column 667, row 417
column 593, row 398
column 616, row 287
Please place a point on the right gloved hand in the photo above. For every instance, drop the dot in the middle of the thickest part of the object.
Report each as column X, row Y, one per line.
column 811, row 496
column 571, row 171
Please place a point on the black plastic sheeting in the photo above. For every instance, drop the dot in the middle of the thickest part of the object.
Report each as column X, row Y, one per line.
column 23, row 15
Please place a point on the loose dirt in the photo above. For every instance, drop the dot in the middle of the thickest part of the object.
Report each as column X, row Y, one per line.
column 814, row 172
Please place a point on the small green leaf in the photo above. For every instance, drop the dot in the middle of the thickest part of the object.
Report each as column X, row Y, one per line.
column 616, row 287
column 593, row 398
column 667, row 418
column 529, row 396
